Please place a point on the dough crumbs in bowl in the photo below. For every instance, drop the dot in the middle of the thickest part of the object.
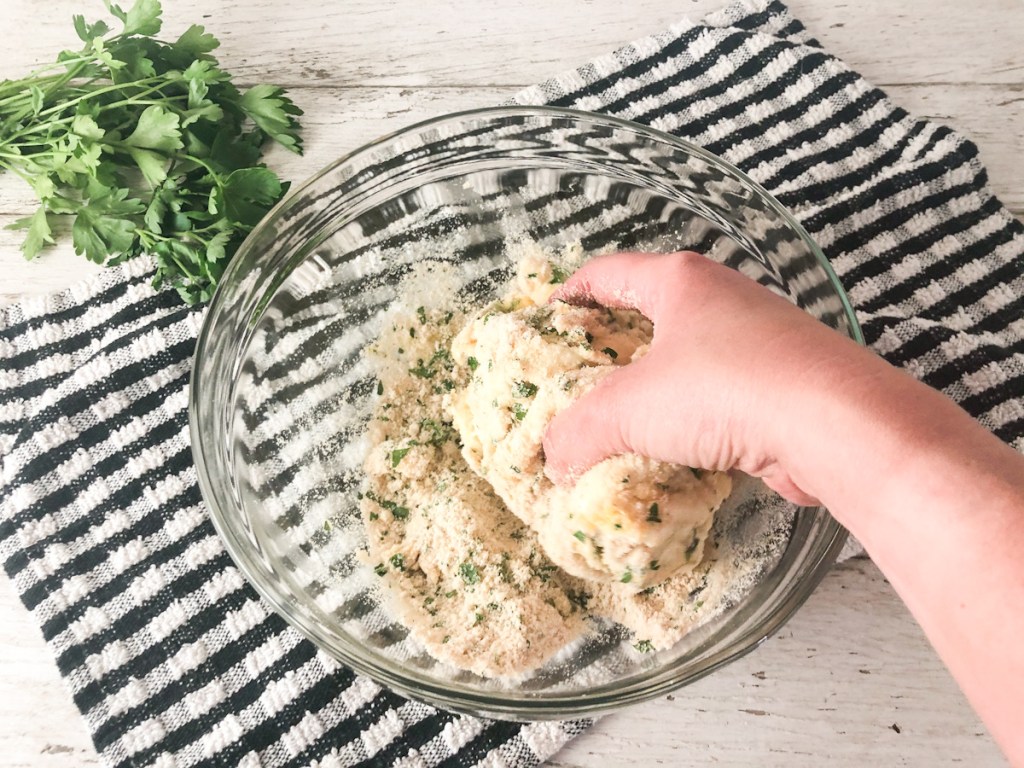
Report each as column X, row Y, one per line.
column 463, row 397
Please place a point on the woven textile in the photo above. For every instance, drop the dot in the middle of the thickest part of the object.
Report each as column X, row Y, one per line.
column 174, row 660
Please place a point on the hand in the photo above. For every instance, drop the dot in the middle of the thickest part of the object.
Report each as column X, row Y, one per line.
column 736, row 377
column 721, row 386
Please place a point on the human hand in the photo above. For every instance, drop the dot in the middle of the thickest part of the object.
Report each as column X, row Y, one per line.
column 736, row 377
column 722, row 384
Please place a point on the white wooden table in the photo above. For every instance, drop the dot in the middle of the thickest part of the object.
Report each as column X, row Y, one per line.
column 850, row 681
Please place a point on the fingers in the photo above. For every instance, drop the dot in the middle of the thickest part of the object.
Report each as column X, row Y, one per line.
column 599, row 425
column 607, row 421
column 670, row 404
column 628, row 280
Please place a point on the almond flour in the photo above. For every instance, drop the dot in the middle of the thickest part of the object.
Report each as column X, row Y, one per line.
column 473, row 582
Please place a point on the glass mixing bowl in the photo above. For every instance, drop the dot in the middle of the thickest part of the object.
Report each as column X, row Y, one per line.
column 281, row 393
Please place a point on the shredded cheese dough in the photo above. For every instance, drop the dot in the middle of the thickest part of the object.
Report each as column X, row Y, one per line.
column 478, row 586
column 629, row 519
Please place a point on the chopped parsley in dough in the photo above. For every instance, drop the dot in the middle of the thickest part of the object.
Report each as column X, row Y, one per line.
column 629, row 519
column 489, row 566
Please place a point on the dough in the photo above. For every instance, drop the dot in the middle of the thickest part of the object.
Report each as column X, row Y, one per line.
column 629, row 519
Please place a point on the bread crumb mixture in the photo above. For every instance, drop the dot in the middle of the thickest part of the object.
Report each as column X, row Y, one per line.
column 629, row 519
column 462, row 405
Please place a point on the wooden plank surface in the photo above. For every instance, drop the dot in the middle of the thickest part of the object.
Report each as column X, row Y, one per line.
column 852, row 664
column 518, row 42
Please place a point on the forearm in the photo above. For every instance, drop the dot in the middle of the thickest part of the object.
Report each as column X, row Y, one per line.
column 762, row 387
column 938, row 503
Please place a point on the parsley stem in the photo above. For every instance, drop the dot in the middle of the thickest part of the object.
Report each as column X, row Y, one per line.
column 113, row 88
column 47, row 127
column 13, row 169
column 37, row 75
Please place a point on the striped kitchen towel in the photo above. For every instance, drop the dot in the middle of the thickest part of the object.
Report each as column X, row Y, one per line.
column 174, row 660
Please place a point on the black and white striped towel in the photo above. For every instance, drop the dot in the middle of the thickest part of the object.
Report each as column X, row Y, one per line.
column 173, row 659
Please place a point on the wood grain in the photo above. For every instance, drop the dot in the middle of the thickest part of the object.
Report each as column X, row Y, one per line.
column 39, row 725
column 850, row 681
column 518, row 42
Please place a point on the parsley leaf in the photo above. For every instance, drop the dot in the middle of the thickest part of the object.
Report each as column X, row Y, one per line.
column 469, row 573
column 104, row 226
column 147, row 145
column 267, row 106
column 143, row 18
column 156, row 129
column 196, row 41
column 246, row 194
column 38, row 232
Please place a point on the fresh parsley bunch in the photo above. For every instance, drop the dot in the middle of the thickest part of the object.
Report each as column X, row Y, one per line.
column 148, row 146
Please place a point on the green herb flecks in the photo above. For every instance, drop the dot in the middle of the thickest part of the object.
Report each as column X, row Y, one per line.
column 693, row 546
column 147, row 146
column 627, row 577
column 580, row 535
column 524, row 389
column 397, row 455
column 436, row 433
column 440, row 361
column 644, row 646
column 558, row 275
column 397, row 561
column 519, row 411
column 653, row 514
column 397, row 511
column 540, row 568
column 472, row 363
column 469, row 573
column 504, row 570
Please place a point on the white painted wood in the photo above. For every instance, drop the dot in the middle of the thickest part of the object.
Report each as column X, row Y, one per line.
column 39, row 725
column 852, row 663
column 515, row 42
